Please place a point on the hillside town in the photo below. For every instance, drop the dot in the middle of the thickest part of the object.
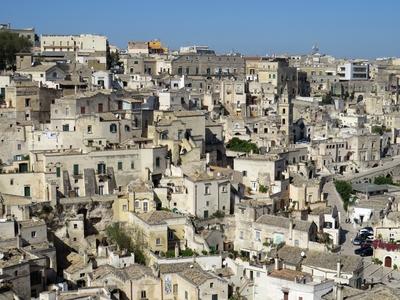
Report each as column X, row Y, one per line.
column 147, row 172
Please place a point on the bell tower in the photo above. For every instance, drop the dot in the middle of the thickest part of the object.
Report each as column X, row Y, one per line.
column 285, row 110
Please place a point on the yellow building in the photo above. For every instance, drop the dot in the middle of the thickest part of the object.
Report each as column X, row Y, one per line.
column 161, row 230
column 156, row 47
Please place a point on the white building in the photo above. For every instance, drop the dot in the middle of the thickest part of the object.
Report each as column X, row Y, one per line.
column 69, row 43
column 353, row 71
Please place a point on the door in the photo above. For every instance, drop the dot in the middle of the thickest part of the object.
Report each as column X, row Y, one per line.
column 388, row 261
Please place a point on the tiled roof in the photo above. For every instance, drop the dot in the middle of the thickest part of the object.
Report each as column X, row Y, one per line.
column 196, row 276
column 284, row 222
column 350, row 263
column 132, row 272
column 157, row 217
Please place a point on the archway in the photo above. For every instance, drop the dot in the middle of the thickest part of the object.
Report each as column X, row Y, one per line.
column 388, row 261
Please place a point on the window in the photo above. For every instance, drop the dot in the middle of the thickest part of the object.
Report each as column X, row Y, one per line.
column 27, row 102
column 157, row 162
column 244, row 173
column 211, row 284
column 207, row 190
column 82, row 275
column 124, row 207
column 76, row 170
column 145, row 206
column 214, row 297
column 19, row 146
column 137, row 204
column 33, row 234
column 101, row 168
column 207, row 203
column 143, row 294
column 120, row 165
column 113, row 128
column 76, row 190
column 224, row 189
column 75, row 226
column 132, row 165
column 258, row 235
column 283, row 110
column 186, row 295
column 175, row 289
column 241, row 235
column 11, row 181
column 205, row 214
column 158, row 241
column 89, row 129
column 100, row 107
column 27, row 191
column 65, row 127
column 83, row 110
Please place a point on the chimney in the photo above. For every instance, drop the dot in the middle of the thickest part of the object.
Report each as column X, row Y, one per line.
column 85, row 257
column 19, row 241
column 277, row 263
column 176, row 250
column 291, row 228
column 338, row 267
column 339, row 291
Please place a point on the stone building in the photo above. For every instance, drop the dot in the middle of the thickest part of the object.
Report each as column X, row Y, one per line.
column 208, row 65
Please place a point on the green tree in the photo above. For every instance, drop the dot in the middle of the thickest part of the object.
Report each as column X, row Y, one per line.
column 131, row 240
column 10, row 45
column 377, row 129
column 345, row 190
column 383, row 180
column 327, row 99
column 239, row 145
column 114, row 59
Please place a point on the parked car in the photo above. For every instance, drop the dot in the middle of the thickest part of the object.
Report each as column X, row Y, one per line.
column 364, row 251
column 357, row 240
column 366, row 230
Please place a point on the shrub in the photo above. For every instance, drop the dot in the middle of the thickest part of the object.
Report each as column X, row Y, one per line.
column 262, row 188
column 344, row 189
column 219, row 214
column 239, row 145
column 187, row 252
column 170, row 254
column 383, row 180
column 376, row 261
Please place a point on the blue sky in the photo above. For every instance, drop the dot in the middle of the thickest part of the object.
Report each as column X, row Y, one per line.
column 345, row 28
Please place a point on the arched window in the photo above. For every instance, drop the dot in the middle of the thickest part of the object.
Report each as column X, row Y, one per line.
column 113, row 128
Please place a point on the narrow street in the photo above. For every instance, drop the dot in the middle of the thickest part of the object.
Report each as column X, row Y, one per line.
column 349, row 230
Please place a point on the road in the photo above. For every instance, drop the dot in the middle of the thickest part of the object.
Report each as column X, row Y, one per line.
column 349, row 230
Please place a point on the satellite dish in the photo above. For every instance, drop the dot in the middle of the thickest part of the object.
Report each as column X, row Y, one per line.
column 303, row 254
